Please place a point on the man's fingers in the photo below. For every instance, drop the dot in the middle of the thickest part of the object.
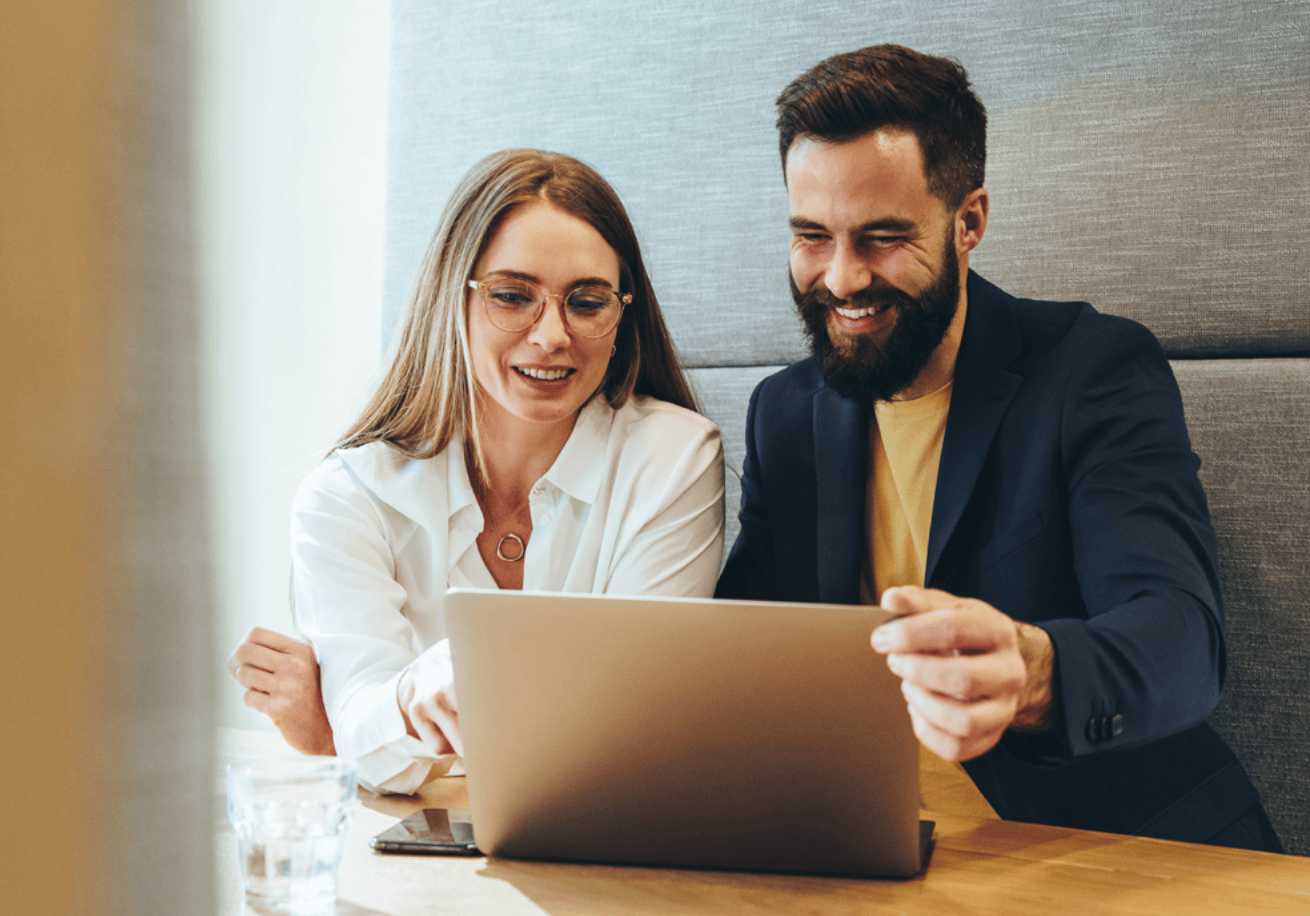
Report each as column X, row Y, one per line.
column 967, row 629
column 965, row 677
column 951, row 747
column 960, row 719
column 960, row 666
column 910, row 599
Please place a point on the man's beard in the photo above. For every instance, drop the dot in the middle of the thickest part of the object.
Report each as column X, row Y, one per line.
column 859, row 365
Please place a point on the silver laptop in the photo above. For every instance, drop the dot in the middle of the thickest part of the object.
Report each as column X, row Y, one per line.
column 701, row 733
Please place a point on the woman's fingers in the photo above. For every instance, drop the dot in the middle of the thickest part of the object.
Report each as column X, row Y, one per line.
column 447, row 717
column 436, row 722
column 294, row 662
column 258, row 701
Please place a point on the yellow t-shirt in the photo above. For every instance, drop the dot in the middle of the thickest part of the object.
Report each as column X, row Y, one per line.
column 905, row 445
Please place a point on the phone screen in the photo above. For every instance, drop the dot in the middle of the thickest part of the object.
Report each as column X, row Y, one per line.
column 432, row 831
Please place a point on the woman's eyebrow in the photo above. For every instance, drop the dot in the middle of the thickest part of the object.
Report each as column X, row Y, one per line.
column 533, row 278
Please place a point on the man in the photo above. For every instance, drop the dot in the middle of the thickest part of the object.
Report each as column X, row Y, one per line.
column 1026, row 461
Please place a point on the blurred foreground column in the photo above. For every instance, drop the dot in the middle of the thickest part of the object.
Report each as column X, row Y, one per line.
column 104, row 572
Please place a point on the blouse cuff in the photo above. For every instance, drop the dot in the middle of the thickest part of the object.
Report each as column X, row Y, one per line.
column 390, row 760
column 402, row 767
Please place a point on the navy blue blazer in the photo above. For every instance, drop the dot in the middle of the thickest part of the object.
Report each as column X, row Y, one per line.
column 1067, row 496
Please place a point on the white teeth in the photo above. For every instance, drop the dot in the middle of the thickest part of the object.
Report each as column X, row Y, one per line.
column 544, row 375
column 855, row 313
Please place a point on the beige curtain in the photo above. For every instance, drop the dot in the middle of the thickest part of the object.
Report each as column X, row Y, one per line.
column 104, row 576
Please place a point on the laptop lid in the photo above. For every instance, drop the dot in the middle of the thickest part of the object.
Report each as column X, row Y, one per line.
column 685, row 732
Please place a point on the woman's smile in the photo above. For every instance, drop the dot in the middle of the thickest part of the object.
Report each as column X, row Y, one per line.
column 544, row 374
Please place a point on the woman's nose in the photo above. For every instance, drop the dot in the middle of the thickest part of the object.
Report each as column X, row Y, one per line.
column 551, row 332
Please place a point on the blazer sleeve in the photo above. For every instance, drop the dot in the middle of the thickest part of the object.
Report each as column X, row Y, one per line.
column 1148, row 660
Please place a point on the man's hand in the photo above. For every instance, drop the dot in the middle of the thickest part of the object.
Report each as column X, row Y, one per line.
column 968, row 672
column 280, row 675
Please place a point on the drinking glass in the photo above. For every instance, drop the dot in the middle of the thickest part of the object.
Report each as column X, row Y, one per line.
column 291, row 818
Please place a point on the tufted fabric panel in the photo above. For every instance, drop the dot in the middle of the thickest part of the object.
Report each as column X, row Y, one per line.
column 1248, row 421
column 724, row 393
column 1152, row 163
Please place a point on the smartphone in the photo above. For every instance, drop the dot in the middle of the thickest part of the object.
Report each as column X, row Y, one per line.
column 432, row 831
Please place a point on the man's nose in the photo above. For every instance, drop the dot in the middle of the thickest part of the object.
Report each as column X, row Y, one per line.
column 847, row 272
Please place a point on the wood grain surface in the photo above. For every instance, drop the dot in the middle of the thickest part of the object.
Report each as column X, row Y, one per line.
column 980, row 865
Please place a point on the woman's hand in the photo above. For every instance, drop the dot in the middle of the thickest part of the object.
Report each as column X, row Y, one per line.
column 280, row 675
column 426, row 696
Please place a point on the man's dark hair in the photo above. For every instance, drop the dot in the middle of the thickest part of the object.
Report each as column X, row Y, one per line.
column 853, row 94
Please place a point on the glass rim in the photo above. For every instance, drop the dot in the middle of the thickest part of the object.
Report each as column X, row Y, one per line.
column 295, row 767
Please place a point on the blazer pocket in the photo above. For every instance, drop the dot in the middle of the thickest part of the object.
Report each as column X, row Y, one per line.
column 1011, row 540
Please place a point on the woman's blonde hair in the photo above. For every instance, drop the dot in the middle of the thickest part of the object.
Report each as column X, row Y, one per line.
column 429, row 394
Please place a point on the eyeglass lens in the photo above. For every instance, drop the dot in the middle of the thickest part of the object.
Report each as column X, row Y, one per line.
column 515, row 305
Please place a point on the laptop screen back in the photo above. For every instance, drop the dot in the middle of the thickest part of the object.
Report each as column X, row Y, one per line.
column 691, row 732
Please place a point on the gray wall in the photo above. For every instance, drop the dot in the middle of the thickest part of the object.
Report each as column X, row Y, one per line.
column 1152, row 163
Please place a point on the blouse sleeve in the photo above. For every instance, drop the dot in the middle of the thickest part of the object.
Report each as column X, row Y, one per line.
column 673, row 527
column 348, row 602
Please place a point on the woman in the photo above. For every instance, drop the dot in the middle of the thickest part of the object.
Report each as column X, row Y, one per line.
column 534, row 431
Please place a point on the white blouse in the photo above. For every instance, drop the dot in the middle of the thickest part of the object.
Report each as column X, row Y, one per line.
column 633, row 505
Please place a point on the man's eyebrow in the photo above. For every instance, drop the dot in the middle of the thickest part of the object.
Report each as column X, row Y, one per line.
column 886, row 224
column 800, row 222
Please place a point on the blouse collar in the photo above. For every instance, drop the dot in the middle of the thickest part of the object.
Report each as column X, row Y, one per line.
column 407, row 485
column 578, row 468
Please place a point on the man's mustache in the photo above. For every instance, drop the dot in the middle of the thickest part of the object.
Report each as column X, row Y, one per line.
column 820, row 297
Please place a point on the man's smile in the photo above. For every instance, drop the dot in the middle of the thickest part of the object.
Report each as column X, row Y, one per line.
column 857, row 313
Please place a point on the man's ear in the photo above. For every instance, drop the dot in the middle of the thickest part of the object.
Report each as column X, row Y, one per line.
column 971, row 220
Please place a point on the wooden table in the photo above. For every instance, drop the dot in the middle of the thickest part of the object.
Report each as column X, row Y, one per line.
column 980, row 866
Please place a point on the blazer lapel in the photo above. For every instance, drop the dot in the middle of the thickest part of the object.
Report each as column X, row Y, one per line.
column 981, row 394
column 841, row 455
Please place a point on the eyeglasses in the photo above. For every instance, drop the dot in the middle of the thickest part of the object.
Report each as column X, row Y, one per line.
column 515, row 305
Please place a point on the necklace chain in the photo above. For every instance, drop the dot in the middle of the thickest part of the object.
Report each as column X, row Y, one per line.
column 479, row 491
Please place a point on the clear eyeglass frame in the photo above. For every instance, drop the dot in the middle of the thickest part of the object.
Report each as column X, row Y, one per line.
column 520, row 319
